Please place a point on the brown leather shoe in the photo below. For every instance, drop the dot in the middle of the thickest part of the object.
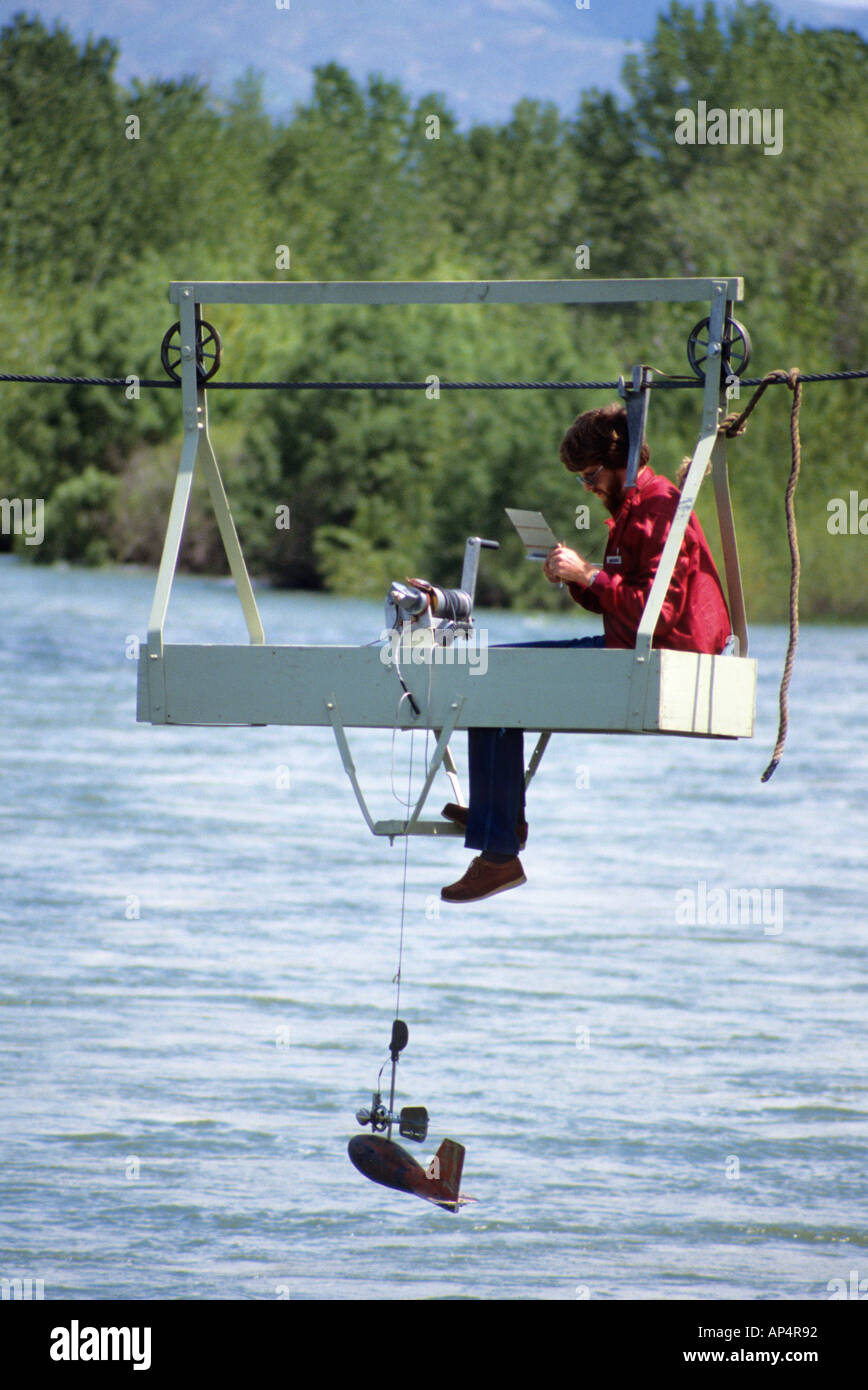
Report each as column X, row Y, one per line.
column 458, row 815
column 483, row 880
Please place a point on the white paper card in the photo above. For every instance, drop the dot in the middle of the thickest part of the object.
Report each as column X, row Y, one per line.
column 534, row 530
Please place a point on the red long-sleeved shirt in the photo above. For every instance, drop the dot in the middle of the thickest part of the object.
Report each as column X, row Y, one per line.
column 694, row 616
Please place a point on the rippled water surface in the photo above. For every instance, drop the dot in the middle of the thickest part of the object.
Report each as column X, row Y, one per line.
column 199, row 942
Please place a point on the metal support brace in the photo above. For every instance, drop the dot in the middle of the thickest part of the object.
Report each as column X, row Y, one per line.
column 166, row 574
column 347, row 760
column 726, row 522
column 195, row 407
column 411, row 826
column 229, row 535
column 452, row 772
column 434, row 766
column 636, row 398
column 536, row 757
column 690, row 488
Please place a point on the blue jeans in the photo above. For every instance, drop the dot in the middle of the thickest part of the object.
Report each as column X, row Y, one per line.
column 496, row 765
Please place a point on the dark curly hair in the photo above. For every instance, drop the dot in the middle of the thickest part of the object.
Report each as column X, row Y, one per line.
column 599, row 437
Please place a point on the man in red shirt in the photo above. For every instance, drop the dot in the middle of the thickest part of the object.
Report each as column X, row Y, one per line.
column 694, row 617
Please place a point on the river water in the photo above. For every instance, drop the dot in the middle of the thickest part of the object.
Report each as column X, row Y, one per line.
column 662, row 1090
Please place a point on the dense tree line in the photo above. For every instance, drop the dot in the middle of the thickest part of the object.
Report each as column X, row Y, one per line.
column 98, row 213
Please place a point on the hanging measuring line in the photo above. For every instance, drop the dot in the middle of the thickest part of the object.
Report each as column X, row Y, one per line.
column 381, row 1159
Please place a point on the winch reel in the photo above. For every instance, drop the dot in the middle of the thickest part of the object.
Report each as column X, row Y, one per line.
column 442, row 614
column 418, row 609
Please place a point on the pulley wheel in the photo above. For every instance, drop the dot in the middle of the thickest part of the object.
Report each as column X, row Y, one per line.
column 209, row 351
column 734, row 347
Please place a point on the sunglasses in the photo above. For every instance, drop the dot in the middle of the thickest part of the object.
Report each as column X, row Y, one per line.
column 588, row 479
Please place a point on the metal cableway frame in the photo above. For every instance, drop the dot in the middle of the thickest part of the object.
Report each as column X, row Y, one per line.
column 644, row 690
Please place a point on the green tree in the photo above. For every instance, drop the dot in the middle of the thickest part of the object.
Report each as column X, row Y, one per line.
column 60, row 123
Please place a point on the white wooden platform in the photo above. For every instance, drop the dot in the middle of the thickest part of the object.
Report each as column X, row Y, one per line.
column 579, row 690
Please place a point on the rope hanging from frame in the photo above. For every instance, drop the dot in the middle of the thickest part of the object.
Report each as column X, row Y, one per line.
column 733, row 426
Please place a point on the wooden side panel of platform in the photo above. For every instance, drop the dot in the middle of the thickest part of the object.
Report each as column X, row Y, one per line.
column 569, row 690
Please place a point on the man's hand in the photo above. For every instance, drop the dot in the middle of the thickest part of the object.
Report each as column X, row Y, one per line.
column 567, row 566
